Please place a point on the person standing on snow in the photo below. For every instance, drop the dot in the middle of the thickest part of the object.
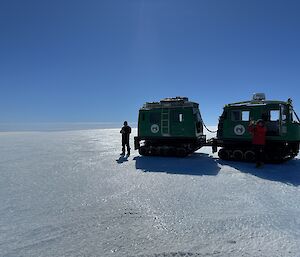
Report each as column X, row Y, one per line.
column 125, row 131
column 258, row 132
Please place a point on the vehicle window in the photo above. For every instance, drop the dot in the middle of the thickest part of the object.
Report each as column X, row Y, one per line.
column 245, row 115
column 177, row 116
column 180, row 117
column 274, row 115
column 235, row 115
column 240, row 115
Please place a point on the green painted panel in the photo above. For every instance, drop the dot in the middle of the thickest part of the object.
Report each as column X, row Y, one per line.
column 235, row 120
column 175, row 122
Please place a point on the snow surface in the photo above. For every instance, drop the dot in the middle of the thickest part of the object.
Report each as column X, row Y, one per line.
column 70, row 194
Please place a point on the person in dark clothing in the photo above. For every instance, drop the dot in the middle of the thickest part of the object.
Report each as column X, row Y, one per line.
column 125, row 131
column 258, row 132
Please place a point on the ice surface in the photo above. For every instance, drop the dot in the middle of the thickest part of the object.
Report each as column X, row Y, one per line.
column 70, row 194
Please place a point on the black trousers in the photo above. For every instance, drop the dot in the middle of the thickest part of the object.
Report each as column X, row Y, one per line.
column 125, row 143
column 259, row 153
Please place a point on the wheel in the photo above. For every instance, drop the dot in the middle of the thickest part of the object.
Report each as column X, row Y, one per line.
column 249, row 156
column 238, row 155
column 223, row 154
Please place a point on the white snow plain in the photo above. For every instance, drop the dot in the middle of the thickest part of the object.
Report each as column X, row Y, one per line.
column 69, row 193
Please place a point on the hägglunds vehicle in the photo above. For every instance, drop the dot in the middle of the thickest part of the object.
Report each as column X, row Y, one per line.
column 170, row 127
column 282, row 123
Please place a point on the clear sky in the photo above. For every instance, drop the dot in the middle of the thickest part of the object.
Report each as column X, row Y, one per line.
column 99, row 61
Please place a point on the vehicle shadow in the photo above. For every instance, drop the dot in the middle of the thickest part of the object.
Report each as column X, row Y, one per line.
column 287, row 172
column 198, row 164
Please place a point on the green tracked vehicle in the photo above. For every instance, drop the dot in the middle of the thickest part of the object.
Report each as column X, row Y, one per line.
column 171, row 127
column 283, row 130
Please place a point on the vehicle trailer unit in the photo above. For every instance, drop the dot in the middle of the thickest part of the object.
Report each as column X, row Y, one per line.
column 170, row 127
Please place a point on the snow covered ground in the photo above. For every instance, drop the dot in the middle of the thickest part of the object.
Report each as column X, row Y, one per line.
column 69, row 194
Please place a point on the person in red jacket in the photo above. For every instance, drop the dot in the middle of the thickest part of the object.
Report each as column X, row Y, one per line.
column 258, row 132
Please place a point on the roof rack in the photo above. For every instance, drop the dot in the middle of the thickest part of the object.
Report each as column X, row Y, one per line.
column 170, row 102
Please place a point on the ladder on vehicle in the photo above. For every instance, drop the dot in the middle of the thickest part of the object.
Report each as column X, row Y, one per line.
column 165, row 122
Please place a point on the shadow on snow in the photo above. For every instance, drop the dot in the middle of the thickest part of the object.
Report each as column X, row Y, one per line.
column 122, row 159
column 287, row 172
column 195, row 164
column 204, row 164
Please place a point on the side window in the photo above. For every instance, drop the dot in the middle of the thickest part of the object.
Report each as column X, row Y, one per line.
column 180, row 117
column 235, row 115
column 177, row 116
column 245, row 115
column 274, row 115
column 154, row 117
column 240, row 115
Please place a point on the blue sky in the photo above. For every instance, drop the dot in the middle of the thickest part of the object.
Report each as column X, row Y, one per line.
column 99, row 61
